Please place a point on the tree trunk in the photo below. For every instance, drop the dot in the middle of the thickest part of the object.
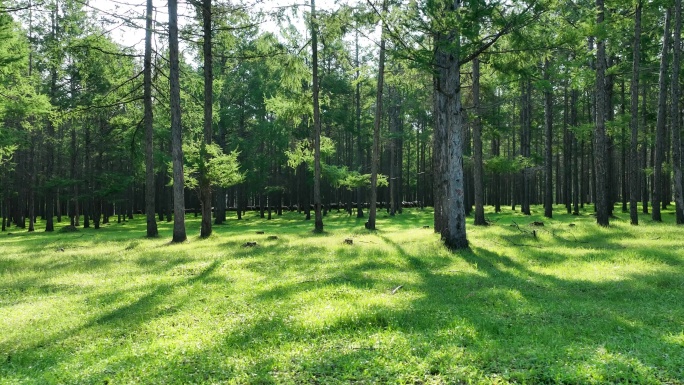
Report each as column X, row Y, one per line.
column 179, row 234
column 634, row 122
column 448, row 145
column 548, row 154
column 675, row 115
column 478, row 166
column 150, row 191
column 659, row 155
column 370, row 225
column 318, row 217
column 204, row 182
column 601, row 167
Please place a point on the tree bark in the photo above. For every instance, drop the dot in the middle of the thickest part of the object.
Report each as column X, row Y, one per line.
column 548, row 153
column 601, row 177
column 204, row 182
column 318, row 217
column 478, row 166
column 675, row 115
column 150, row 191
column 448, row 154
column 370, row 225
column 179, row 234
column 634, row 122
column 659, row 155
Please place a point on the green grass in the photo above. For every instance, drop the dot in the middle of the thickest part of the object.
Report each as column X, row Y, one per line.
column 576, row 304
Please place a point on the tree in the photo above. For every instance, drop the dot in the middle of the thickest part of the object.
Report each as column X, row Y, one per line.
column 478, row 167
column 179, row 234
column 601, row 163
column 149, row 127
column 675, row 115
column 659, row 156
column 634, row 179
column 377, row 122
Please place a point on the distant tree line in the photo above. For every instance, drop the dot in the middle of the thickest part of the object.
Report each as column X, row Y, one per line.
column 374, row 105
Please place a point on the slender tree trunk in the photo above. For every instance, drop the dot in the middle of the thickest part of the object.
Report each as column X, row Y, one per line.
column 204, row 182
column 601, row 163
column 478, row 166
column 370, row 225
column 318, row 217
column 548, row 157
column 149, row 128
column 179, row 234
column 675, row 115
column 576, row 154
column 659, row 155
column 634, row 120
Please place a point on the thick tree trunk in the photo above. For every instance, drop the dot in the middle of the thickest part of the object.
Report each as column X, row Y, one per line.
column 149, row 127
column 675, row 115
column 179, row 234
column 659, row 155
column 448, row 154
column 318, row 217
column 601, row 163
column 478, row 166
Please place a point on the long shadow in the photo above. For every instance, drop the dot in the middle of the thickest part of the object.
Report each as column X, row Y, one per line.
column 24, row 359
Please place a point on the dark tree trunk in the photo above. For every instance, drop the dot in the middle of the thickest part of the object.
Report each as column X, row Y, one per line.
column 179, row 234
column 370, row 225
column 659, row 155
column 548, row 153
column 634, row 122
column 675, row 115
column 150, row 188
column 318, row 217
column 478, row 166
column 204, row 182
column 600, row 161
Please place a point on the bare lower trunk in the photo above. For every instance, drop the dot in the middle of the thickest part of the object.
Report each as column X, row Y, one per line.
column 659, row 155
column 318, row 217
column 150, row 191
column 634, row 122
column 205, row 183
column 376, row 130
column 548, row 153
column 179, row 234
column 600, row 161
column 478, row 167
column 675, row 115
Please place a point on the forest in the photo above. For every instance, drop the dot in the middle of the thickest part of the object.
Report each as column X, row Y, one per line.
column 341, row 192
column 360, row 107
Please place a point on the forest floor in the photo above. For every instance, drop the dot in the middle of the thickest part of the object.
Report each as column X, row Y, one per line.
column 574, row 304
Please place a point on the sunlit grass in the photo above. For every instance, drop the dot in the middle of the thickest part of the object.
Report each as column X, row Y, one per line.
column 569, row 303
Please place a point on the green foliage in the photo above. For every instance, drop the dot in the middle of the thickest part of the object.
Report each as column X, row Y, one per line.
column 221, row 169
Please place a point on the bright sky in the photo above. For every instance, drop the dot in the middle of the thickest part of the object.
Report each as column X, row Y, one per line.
column 129, row 35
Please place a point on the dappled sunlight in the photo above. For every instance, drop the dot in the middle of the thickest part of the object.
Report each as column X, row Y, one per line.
column 393, row 306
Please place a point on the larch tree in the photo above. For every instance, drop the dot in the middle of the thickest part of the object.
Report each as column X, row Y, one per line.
column 179, row 234
column 149, row 127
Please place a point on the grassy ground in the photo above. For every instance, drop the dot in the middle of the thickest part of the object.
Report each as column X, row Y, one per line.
column 576, row 304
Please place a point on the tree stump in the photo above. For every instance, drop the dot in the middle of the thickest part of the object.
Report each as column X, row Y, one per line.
column 272, row 237
column 426, row 227
column 249, row 244
column 348, row 241
column 259, row 232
